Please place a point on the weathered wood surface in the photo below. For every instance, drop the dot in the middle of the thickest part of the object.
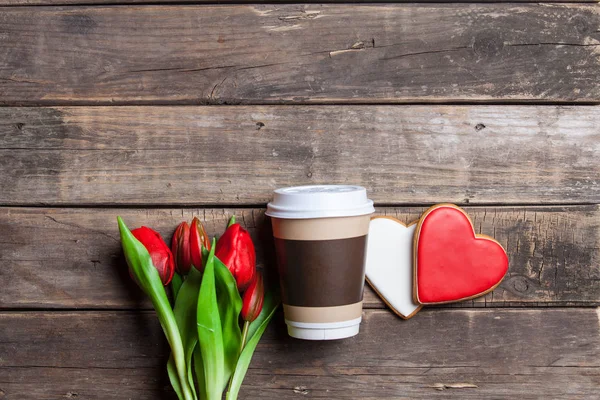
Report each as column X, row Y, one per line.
column 238, row 155
column 119, row 2
column 300, row 53
column 66, row 258
column 507, row 354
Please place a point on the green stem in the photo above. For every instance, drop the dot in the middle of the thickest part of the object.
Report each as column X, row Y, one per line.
column 245, row 335
column 169, row 325
column 244, row 339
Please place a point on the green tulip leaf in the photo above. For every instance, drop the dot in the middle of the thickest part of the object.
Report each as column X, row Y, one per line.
column 172, row 371
column 176, row 283
column 231, row 221
column 185, row 315
column 210, row 336
column 257, row 328
column 140, row 264
column 141, row 267
column 230, row 305
column 199, row 372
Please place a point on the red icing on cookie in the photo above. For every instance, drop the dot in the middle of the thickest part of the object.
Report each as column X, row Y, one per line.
column 452, row 263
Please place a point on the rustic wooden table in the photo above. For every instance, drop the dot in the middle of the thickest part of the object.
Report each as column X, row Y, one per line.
column 159, row 112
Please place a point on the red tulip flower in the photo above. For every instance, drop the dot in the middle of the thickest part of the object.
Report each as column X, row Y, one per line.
column 236, row 250
column 198, row 239
column 252, row 304
column 252, row 301
column 180, row 246
column 162, row 258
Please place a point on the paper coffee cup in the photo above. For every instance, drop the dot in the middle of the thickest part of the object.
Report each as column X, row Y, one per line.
column 320, row 239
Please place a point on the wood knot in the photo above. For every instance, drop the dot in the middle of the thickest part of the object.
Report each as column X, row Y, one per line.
column 520, row 284
column 259, row 125
column 460, row 385
column 301, row 390
column 304, row 14
column 479, row 127
column 19, row 126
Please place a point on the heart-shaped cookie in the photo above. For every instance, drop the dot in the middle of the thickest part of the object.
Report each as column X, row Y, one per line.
column 389, row 265
column 451, row 262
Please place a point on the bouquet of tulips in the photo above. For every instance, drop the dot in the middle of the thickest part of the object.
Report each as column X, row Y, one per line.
column 215, row 285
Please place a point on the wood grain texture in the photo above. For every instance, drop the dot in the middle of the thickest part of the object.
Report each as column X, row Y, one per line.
column 507, row 354
column 121, row 2
column 67, row 258
column 300, row 53
column 238, row 155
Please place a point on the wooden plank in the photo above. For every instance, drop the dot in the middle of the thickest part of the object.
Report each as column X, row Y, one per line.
column 67, row 258
column 238, row 155
column 120, row 2
column 300, row 53
column 507, row 354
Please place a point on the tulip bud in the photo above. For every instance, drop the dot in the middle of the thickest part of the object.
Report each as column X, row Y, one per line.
column 236, row 250
column 198, row 239
column 252, row 301
column 161, row 256
column 180, row 247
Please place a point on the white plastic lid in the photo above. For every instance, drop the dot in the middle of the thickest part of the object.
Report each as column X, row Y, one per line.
column 320, row 201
